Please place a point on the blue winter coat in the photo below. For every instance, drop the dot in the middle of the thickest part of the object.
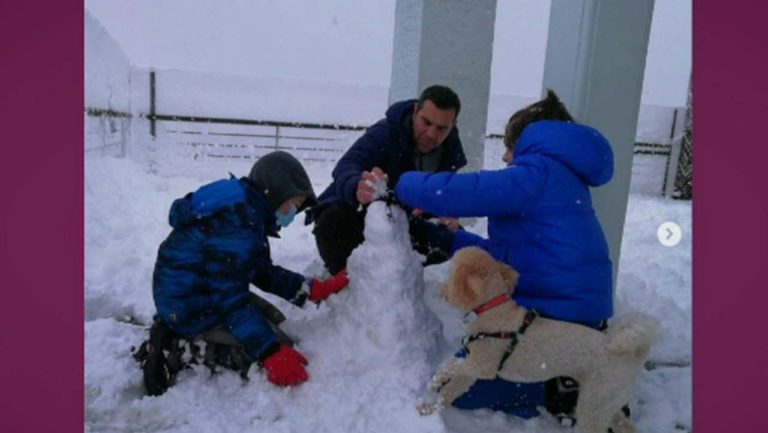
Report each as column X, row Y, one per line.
column 217, row 247
column 388, row 144
column 540, row 217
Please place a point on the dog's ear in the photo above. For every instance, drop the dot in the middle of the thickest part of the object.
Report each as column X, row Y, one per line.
column 471, row 290
column 509, row 275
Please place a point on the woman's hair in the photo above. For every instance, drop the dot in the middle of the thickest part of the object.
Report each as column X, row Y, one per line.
column 549, row 108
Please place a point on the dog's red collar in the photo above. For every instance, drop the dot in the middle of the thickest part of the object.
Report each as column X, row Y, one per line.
column 492, row 303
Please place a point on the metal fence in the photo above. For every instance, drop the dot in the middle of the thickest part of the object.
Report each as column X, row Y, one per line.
column 244, row 139
column 217, row 138
column 683, row 184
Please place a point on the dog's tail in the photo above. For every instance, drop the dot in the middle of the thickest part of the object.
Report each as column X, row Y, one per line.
column 633, row 333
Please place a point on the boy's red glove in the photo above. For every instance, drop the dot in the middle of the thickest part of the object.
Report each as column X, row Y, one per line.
column 286, row 367
column 322, row 289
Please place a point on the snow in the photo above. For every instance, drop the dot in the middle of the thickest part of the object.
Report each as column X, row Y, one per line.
column 372, row 347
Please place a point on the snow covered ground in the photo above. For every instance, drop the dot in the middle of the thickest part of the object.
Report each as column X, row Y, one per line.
column 371, row 348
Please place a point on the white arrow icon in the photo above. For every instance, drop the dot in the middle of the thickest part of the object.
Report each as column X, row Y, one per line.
column 669, row 234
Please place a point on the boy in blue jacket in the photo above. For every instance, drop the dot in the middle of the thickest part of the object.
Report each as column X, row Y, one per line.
column 542, row 223
column 218, row 246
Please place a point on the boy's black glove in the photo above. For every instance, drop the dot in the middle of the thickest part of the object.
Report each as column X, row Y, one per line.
column 430, row 239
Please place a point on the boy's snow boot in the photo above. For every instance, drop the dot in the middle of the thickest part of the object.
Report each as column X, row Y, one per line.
column 562, row 394
column 160, row 358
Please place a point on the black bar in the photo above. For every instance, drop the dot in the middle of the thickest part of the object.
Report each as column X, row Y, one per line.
column 675, row 363
column 152, row 115
column 652, row 152
column 228, row 121
column 276, row 123
column 655, row 145
column 294, row 137
column 103, row 112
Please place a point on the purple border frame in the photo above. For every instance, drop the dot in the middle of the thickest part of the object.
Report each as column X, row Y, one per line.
column 41, row 221
column 42, row 217
column 730, row 216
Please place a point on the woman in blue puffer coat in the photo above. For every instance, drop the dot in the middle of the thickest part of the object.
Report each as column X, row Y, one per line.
column 541, row 222
column 218, row 246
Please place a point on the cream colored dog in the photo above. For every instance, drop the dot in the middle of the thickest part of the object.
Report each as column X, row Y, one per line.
column 606, row 365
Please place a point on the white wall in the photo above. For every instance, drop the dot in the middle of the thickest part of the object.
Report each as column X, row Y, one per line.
column 107, row 69
column 107, row 87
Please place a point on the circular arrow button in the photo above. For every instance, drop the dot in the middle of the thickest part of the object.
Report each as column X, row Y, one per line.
column 669, row 234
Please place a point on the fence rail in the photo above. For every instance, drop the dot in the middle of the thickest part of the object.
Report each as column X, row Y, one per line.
column 662, row 149
column 106, row 112
column 216, row 138
column 238, row 138
column 202, row 138
column 230, row 121
column 222, row 139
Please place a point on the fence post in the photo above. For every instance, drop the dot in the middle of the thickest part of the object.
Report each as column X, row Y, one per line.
column 152, row 104
column 678, row 176
column 683, row 176
column 671, row 172
column 277, row 137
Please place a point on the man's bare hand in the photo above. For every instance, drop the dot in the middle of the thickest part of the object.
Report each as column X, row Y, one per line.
column 366, row 187
column 451, row 223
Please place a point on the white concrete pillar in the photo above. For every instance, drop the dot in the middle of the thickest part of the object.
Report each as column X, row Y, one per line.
column 447, row 42
column 595, row 61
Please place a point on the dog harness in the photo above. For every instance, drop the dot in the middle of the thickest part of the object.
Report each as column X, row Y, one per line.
column 511, row 336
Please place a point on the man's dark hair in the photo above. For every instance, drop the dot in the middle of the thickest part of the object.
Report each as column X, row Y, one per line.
column 442, row 96
column 549, row 108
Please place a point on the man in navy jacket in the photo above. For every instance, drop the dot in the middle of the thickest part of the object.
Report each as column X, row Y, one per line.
column 415, row 135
